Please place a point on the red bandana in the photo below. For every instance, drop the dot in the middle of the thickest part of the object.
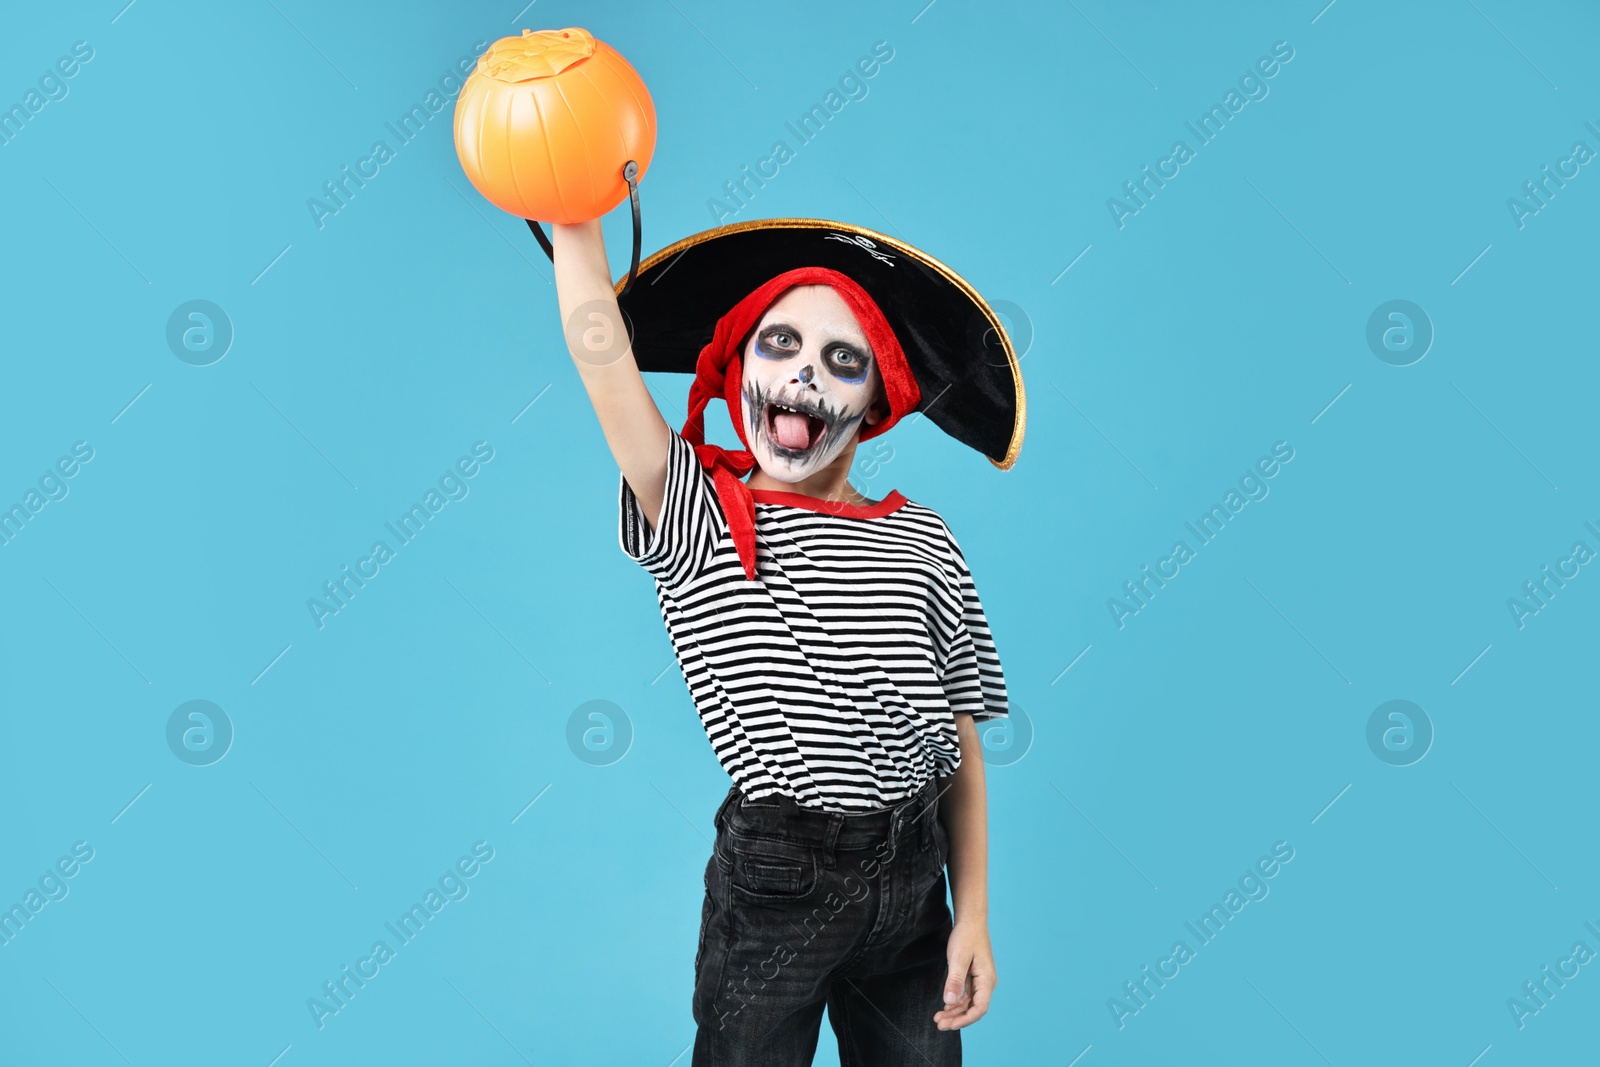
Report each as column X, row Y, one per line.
column 719, row 373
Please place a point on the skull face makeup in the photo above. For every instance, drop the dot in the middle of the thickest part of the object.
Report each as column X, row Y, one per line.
column 809, row 383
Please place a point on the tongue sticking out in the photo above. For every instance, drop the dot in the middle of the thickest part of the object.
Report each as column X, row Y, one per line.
column 791, row 430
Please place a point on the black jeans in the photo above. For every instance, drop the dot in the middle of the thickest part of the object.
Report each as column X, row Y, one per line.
column 805, row 909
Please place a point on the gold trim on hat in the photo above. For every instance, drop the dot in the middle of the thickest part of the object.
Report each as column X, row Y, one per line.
column 1019, row 424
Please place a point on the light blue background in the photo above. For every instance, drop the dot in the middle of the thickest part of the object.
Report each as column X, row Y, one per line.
column 1222, row 318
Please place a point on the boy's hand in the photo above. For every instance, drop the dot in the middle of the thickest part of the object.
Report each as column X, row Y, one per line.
column 972, row 978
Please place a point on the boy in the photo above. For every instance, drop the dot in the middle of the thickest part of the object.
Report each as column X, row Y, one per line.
column 834, row 645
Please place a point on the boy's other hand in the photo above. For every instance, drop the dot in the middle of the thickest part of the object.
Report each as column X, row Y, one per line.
column 972, row 979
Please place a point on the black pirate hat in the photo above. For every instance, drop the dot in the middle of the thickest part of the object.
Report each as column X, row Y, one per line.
column 958, row 350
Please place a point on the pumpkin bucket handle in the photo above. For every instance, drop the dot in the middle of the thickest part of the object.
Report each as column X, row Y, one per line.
column 630, row 173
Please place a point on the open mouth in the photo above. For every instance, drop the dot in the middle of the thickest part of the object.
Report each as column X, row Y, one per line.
column 794, row 430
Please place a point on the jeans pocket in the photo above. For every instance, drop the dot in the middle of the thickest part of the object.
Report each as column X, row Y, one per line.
column 769, row 871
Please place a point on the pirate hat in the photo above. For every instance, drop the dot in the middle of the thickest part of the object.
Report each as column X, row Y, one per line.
column 965, row 368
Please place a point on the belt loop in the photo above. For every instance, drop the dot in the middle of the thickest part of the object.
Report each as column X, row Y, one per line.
column 830, row 837
column 716, row 820
column 930, row 812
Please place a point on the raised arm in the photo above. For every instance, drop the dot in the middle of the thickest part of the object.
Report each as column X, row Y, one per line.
column 598, row 340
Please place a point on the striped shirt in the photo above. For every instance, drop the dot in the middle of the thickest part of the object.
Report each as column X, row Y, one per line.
column 835, row 676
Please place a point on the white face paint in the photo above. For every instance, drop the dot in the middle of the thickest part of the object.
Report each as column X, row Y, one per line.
column 809, row 382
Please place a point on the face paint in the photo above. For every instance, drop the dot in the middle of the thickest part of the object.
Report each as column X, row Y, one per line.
column 808, row 381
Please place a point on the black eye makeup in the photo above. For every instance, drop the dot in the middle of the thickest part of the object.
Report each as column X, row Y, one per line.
column 777, row 342
column 844, row 361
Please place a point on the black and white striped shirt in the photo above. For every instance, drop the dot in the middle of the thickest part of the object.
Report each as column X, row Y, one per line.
column 835, row 675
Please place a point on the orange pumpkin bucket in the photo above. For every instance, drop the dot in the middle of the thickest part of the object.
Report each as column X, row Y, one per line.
column 548, row 121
